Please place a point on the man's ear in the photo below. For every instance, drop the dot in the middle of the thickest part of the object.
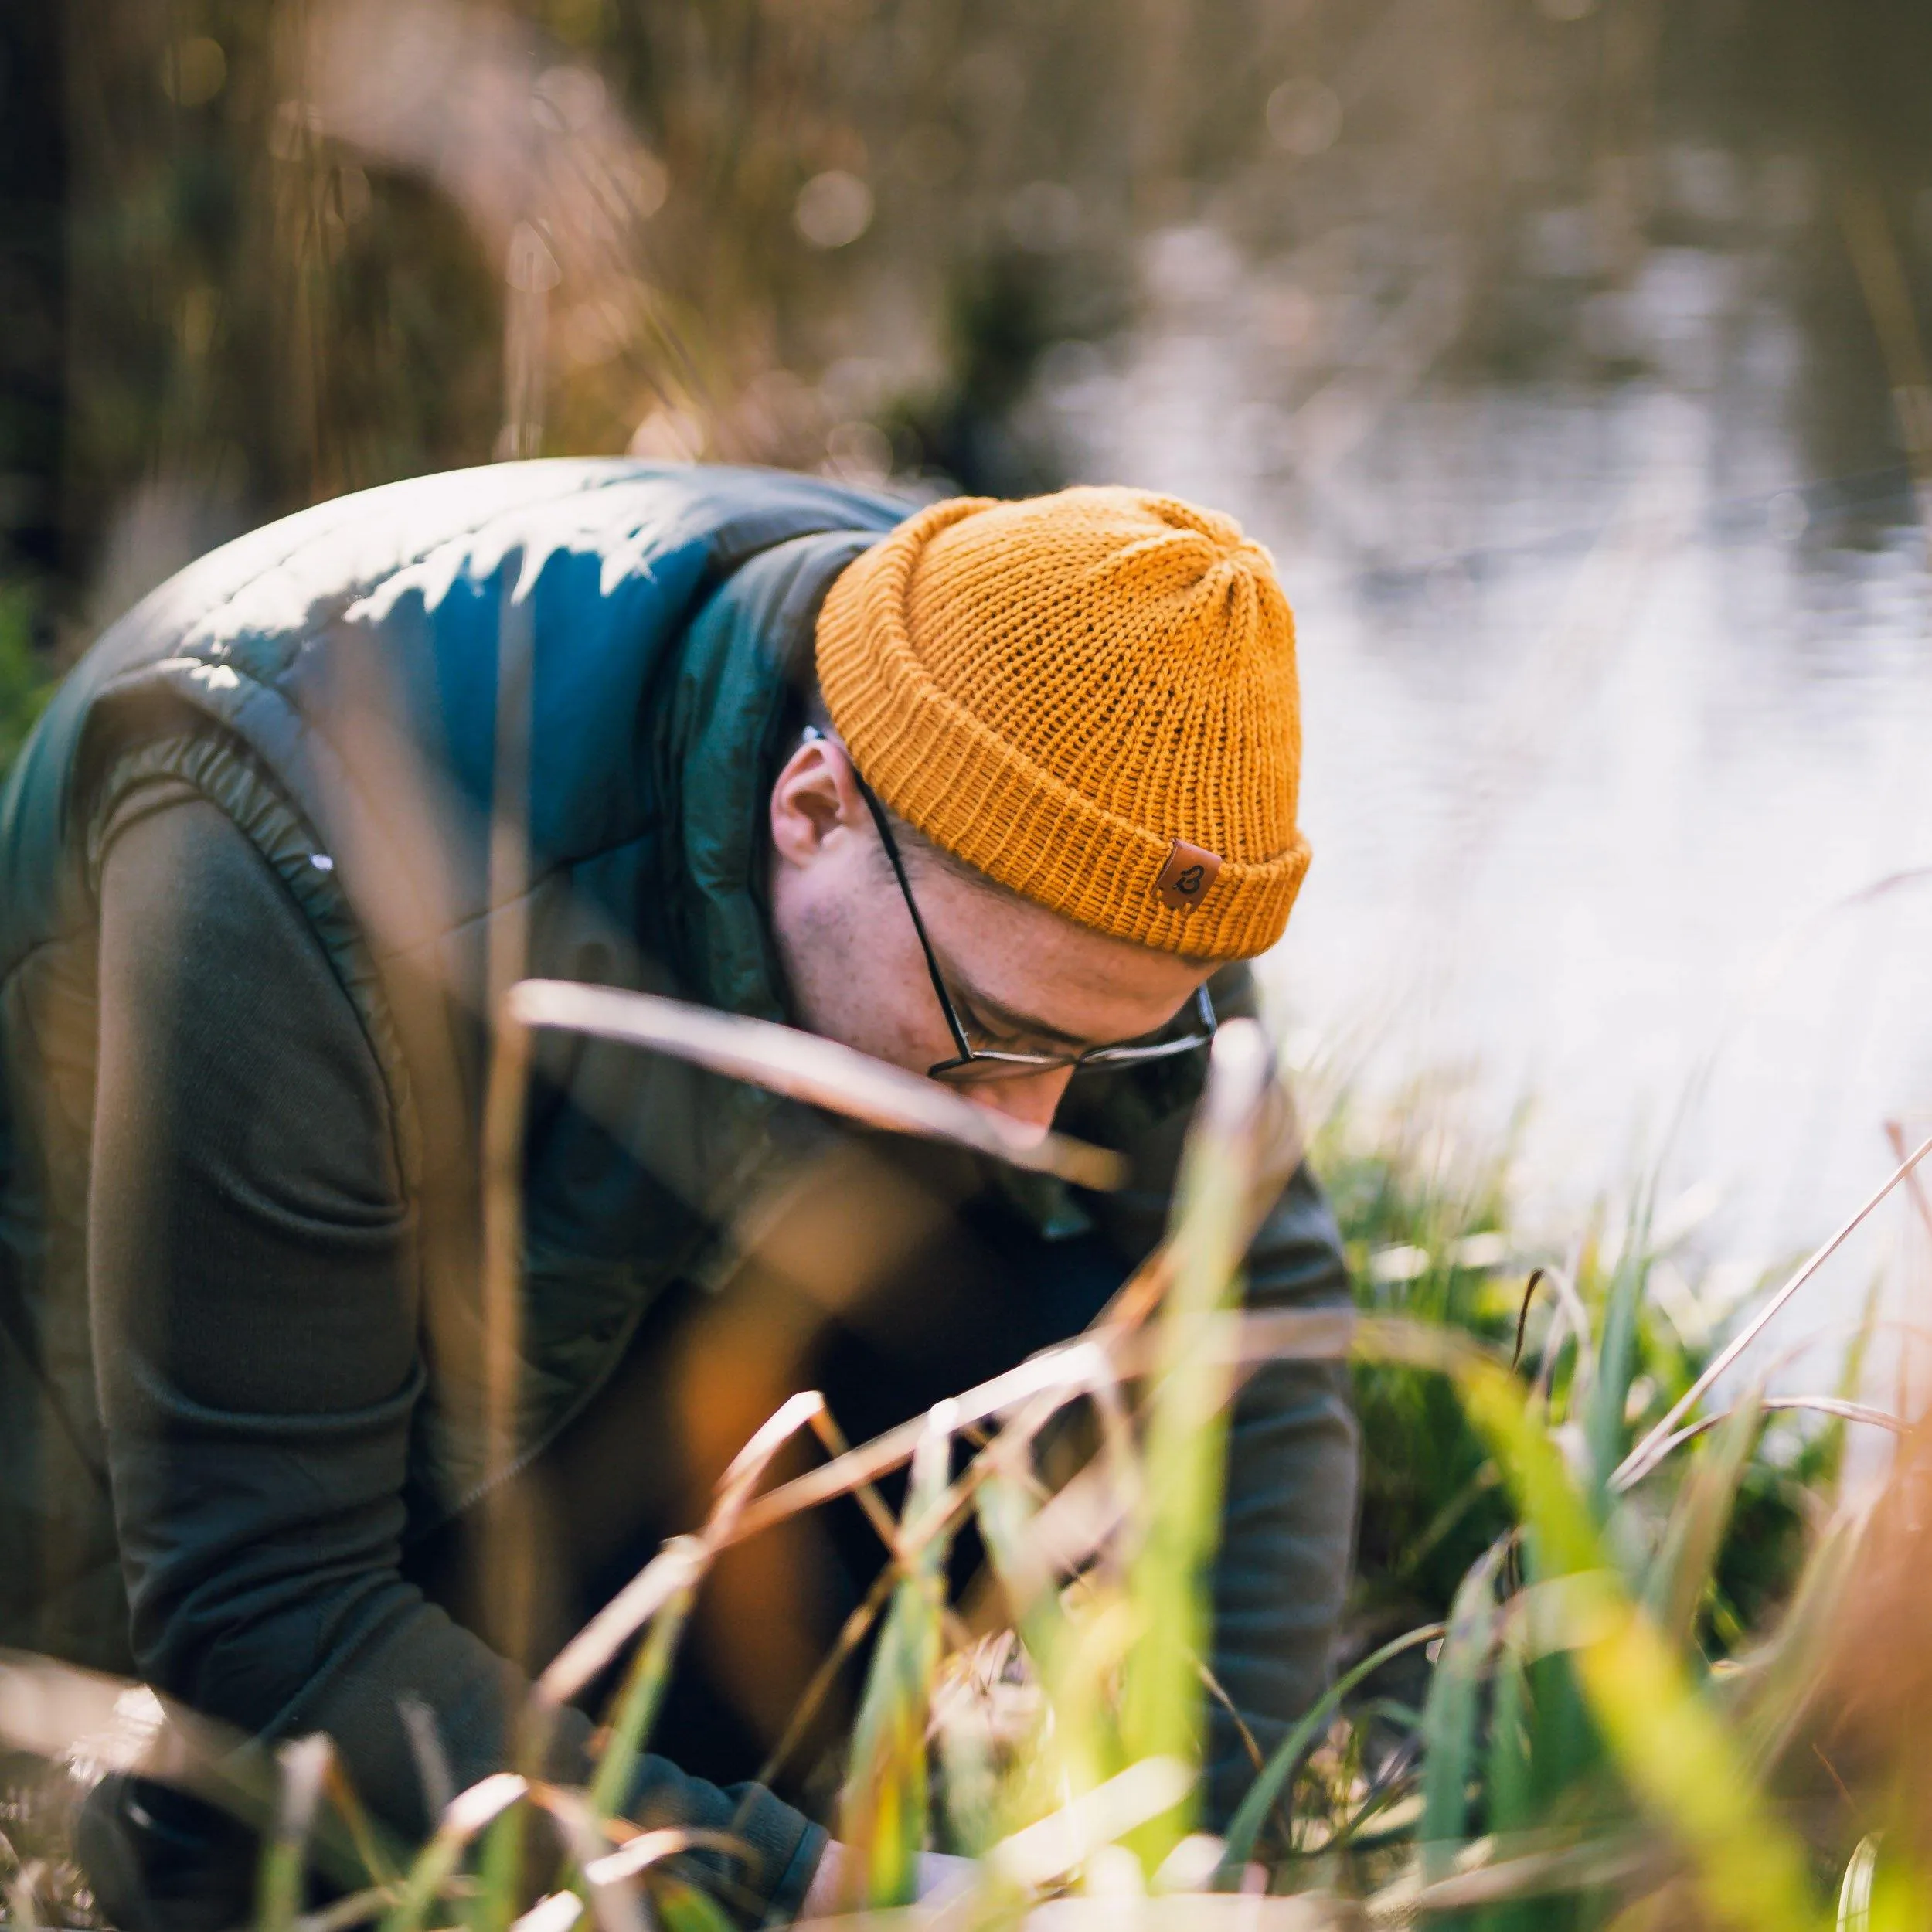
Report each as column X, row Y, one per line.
column 815, row 803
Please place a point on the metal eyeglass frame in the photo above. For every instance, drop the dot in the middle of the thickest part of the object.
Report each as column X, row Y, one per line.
column 1011, row 1066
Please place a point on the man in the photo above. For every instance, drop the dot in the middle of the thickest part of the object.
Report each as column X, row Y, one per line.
column 990, row 791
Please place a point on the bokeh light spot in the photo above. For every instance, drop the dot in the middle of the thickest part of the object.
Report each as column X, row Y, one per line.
column 1304, row 116
column 833, row 209
column 193, row 71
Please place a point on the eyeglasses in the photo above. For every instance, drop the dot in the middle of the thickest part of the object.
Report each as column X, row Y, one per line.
column 972, row 1064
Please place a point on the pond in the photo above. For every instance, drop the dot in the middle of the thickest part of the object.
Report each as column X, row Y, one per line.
column 1618, row 773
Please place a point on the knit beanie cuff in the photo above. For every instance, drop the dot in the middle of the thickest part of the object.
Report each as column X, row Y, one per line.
column 979, row 797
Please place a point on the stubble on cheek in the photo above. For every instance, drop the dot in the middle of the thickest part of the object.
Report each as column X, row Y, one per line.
column 850, row 984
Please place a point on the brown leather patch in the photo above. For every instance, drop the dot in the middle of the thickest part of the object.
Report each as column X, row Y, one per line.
column 1186, row 876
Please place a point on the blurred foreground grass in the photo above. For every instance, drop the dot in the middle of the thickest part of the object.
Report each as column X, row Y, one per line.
column 1582, row 1663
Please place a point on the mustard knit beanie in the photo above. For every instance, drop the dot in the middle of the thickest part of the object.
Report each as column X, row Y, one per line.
column 1089, row 697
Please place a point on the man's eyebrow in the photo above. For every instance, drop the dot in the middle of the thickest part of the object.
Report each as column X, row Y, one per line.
column 985, row 1008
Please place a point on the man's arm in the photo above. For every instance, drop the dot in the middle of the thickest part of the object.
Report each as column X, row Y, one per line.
column 1293, row 1458
column 255, row 1334
column 1289, row 1522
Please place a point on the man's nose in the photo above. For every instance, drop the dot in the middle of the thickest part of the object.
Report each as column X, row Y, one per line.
column 1032, row 1101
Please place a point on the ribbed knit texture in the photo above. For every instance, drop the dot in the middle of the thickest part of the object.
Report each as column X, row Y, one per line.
column 1056, row 690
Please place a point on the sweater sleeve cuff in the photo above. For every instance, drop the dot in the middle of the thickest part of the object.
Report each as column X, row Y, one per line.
column 763, row 1883
column 788, row 1895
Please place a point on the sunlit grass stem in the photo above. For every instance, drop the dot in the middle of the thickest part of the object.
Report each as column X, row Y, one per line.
column 1178, row 1527
column 883, row 1807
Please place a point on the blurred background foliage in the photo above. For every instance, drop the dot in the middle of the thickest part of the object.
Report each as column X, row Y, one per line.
column 256, row 254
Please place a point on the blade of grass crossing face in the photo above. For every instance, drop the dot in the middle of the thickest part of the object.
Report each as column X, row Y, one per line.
column 1162, row 1703
column 1452, row 1715
column 882, row 1809
column 1685, row 1767
column 1684, row 1567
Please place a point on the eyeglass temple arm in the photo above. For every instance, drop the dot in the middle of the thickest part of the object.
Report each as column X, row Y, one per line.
column 891, row 844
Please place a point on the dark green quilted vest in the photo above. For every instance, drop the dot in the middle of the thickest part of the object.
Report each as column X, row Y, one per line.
column 330, row 682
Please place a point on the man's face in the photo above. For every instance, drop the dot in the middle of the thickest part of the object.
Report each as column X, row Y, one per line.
column 1023, row 979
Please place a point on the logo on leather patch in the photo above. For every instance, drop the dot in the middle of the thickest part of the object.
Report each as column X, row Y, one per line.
column 1185, row 878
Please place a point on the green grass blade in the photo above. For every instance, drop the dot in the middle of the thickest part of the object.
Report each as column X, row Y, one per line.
column 1509, row 1777
column 499, row 1875
column 1616, row 1356
column 883, row 1807
column 1854, row 1892
column 304, row 1769
column 1082, row 1748
column 1262, row 1796
column 1163, row 1713
column 1682, row 1570
column 1688, row 1769
column 1509, row 1784
column 435, row 1864
column 1451, row 1716
column 638, row 1703
column 1564, row 1746
column 684, row 1908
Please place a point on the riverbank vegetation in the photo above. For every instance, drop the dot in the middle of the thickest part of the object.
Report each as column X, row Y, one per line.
column 1595, row 1605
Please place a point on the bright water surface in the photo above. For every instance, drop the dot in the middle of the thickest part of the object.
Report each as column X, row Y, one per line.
column 1610, row 700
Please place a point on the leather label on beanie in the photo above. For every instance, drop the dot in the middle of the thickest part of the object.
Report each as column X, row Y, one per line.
column 1185, row 878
